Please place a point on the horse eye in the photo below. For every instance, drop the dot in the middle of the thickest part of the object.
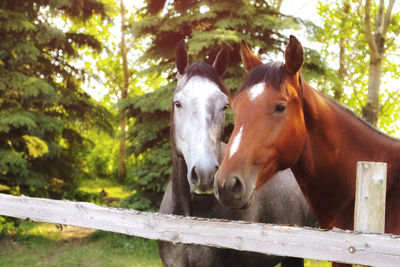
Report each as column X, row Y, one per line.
column 225, row 107
column 280, row 108
column 177, row 104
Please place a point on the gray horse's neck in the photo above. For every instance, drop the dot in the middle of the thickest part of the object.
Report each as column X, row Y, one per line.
column 180, row 187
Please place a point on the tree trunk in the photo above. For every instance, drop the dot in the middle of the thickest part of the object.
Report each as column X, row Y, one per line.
column 278, row 5
column 122, row 148
column 376, row 44
column 371, row 109
column 124, row 95
column 338, row 89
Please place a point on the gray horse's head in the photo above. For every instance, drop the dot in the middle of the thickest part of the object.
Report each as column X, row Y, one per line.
column 199, row 102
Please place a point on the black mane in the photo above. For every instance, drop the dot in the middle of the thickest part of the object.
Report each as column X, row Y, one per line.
column 271, row 73
column 204, row 70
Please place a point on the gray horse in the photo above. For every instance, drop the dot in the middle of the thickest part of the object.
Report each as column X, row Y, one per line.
column 196, row 129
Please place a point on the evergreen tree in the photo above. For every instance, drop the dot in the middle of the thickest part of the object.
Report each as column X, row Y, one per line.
column 42, row 106
column 206, row 25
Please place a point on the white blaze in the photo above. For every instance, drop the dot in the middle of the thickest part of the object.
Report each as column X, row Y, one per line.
column 256, row 90
column 196, row 136
column 236, row 143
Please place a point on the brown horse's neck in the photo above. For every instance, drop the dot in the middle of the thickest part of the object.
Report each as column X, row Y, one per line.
column 326, row 171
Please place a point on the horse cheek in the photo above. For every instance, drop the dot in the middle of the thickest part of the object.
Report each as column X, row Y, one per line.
column 293, row 143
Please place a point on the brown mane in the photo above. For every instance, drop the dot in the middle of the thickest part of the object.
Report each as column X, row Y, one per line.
column 272, row 73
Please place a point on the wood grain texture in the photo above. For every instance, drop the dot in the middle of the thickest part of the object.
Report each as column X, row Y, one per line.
column 369, row 211
column 334, row 245
column 369, row 208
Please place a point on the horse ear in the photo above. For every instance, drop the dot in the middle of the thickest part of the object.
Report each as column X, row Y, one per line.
column 182, row 57
column 294, row 56
column 249, row 60
column 221, row 60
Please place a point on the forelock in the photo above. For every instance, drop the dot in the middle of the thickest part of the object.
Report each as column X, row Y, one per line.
column 272, row 73
column 204, row 70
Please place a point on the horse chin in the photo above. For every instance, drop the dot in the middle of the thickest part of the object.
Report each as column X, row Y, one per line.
column 201, row 191
column 249, row 202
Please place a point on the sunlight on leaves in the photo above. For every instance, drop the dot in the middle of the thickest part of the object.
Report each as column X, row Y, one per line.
column 36, row 146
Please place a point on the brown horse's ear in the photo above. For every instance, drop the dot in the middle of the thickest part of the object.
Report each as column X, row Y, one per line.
column 294, row 56
column 221, row 60
column 182, row 57
column 249, row 60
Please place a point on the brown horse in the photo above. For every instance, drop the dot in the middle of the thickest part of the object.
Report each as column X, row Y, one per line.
column 282, row 122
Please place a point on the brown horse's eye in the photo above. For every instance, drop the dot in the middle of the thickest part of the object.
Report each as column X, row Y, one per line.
column 177, row 104
column 280, row 108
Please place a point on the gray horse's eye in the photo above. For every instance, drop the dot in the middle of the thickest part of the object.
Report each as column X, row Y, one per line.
column 225, row 107
column 177, row 104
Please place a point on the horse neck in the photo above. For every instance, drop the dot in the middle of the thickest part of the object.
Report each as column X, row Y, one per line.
column 180, row 187
column 335, row 141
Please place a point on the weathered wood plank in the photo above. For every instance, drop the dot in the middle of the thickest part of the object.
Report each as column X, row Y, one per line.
column 340, row 246
column 369, row 211
column 369, row 208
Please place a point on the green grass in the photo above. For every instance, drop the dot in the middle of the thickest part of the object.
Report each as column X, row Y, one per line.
column 45, row 245
column 112, row 187
column 313, row 263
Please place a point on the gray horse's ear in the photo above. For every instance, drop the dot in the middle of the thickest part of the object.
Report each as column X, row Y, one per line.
column 221, row 60
column 182, row 57
column 294, row 56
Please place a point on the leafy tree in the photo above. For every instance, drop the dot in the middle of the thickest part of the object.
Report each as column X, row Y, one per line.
column 124, row 95
column 378, row 43
column 206, row 25
column 101, row 156
column 42, row 107
column 114, row 70
column 343, row 29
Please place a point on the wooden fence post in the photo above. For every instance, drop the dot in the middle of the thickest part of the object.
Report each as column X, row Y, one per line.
column 369, row 209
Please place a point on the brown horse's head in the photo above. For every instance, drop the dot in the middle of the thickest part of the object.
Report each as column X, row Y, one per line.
column 269, row 132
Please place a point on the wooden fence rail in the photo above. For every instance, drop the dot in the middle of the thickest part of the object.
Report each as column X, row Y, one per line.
column 334, row 245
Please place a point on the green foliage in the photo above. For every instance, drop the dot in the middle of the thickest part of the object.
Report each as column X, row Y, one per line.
column 36, row 146
column 149, row 137
column 42, row 106
column 101, row 158
column 9, row 225
column 347, row 26
column 207, row 24
column 12, row 162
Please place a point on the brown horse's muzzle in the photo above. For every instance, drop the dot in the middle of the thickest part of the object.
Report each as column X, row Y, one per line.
column 233, row 192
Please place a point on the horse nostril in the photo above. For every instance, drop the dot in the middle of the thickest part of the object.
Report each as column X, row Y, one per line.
column 216, row 167
column 236, row 188
column 194, row 177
